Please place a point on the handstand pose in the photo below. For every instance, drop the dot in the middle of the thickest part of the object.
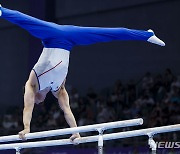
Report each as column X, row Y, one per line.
column 50, row 71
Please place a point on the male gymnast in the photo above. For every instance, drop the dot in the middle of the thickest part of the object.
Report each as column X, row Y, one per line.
column 50, row 71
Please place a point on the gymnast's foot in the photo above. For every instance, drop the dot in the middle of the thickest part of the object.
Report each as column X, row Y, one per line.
column 155, row 40
column 0, row 10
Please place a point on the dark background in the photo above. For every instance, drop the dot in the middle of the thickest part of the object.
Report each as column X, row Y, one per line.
column 97, row 65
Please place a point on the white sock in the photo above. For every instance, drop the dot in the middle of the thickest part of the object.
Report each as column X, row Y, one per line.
column 155, row 40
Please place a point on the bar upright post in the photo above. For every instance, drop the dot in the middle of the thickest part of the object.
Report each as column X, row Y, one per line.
column 100, row 140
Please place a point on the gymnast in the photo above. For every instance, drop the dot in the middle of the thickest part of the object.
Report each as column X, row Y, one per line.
column 50, row 72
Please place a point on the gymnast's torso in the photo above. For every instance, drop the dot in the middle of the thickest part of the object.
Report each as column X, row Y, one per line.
column 52, row 68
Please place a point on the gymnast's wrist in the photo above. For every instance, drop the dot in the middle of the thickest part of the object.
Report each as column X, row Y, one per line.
column 27, row 128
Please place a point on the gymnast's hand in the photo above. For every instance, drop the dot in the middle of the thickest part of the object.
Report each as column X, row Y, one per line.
column 22, row 133
column 73, row 137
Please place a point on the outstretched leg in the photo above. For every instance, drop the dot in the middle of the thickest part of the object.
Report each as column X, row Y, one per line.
column 91, row 35
column 75, row 35
column 38, row 28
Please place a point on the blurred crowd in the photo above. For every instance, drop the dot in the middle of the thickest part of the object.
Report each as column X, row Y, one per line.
column 155, row 98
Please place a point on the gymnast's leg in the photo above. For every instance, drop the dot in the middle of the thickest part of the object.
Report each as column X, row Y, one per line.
column 91, row 35
column 38, row 28
column 76, row 34
column 63, row 100
column 31, row 88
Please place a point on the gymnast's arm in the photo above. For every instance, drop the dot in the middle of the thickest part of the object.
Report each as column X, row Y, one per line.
column 29, row 100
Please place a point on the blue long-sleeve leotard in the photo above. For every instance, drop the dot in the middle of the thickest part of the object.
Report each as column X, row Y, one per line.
column 68, row 36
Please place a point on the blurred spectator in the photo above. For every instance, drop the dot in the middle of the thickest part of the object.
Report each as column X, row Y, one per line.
column 9, row 122
column 147, row 82
column 168, row 78
column 131, row 91
column 105, row 114
column 156, row 116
